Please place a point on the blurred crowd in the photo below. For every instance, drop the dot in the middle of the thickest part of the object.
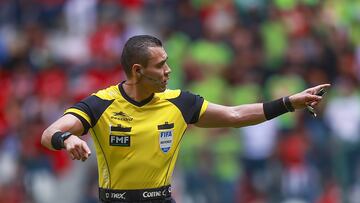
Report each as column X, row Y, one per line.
column 53, row 53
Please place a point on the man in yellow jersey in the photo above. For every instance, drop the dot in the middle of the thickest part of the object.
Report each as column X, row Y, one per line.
column 137, row 125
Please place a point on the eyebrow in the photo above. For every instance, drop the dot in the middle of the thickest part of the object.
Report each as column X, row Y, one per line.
column 162, row 62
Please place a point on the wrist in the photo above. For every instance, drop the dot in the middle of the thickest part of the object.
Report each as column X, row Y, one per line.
column 277, row 107
column 288, row 105
column 58, row 139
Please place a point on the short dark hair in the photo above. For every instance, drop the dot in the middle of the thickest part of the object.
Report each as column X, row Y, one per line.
column 136, row 51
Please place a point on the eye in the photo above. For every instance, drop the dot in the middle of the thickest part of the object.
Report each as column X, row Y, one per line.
column 161, row 65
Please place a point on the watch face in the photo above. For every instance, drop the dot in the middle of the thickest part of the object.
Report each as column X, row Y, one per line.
column 66, row 135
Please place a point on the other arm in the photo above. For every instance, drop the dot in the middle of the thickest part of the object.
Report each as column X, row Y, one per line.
column 76, row 147
column 250, row 114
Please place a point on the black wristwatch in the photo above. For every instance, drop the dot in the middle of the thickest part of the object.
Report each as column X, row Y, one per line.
column 58, row 138
column 63, row 137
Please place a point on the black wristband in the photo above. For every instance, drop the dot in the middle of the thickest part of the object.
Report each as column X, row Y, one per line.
column 274, row 108
column 288, row 104
column 58, row 138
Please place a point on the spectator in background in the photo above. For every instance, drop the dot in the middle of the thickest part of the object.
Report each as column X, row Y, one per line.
column 343, row 118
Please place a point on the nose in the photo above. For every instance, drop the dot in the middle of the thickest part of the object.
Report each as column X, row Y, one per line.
column 167, row 69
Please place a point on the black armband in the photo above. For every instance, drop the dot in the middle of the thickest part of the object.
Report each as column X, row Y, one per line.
column 58, row 138
column 277, row 107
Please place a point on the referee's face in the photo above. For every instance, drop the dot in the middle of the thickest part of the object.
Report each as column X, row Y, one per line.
column 157, row 73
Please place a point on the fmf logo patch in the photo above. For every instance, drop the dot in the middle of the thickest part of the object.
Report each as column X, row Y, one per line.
column 122, row 141
column 118, row 136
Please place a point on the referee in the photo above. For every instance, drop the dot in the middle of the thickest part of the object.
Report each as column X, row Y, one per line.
column 137, row 125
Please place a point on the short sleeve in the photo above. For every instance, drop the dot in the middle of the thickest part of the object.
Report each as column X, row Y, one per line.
column 191, row 106
column 89, row 110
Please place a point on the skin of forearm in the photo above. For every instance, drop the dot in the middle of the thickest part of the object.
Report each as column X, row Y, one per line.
column 47, row 135
column 247, row 114
column 67, row 123
column 218, row 116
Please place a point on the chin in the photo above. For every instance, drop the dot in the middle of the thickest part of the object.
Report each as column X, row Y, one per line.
column 159, row 91
column 162, row 89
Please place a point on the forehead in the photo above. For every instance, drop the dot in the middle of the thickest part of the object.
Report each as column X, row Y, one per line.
column 157, row 55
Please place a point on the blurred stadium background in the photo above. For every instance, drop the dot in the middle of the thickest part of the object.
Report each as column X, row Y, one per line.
column 55, row 52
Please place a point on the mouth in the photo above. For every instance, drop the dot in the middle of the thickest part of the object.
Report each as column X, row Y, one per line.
column 165, row 82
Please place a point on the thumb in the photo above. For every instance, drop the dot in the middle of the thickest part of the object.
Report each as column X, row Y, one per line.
column 86, row 149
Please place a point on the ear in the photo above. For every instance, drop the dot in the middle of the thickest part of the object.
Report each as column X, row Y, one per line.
column 137, row 69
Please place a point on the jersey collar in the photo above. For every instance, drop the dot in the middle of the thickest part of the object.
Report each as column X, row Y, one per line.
column 129, row 99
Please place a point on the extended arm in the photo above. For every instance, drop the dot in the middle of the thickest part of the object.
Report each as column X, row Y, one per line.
column 77, row 148
column 251, row 114
column 237, row 116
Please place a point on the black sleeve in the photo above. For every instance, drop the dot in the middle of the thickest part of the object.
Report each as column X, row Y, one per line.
column 94, row 107
column 189, row 105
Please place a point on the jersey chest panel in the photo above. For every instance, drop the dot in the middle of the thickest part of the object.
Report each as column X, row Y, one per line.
column 131, row 136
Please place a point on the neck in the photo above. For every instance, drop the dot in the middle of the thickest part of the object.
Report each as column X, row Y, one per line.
column 136, row 90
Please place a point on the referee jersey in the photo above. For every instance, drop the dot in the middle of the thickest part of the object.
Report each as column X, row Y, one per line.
column 137, row 143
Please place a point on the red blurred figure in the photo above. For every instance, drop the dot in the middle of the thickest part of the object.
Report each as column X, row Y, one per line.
column 52, row 84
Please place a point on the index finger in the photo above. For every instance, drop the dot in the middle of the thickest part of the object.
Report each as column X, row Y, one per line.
column 317, row 88
column 322, row 86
